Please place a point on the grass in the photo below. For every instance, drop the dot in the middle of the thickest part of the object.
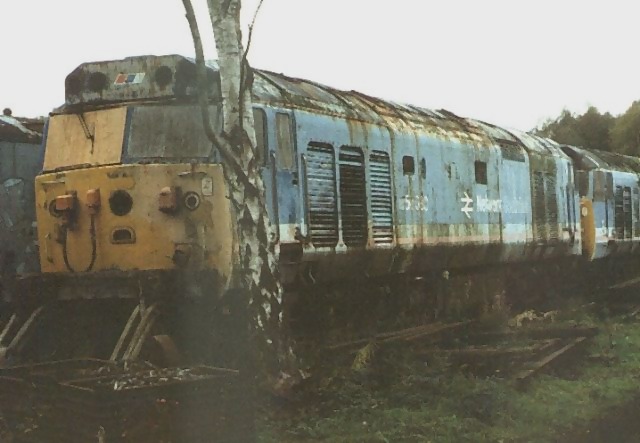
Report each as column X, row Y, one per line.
column 398, row 398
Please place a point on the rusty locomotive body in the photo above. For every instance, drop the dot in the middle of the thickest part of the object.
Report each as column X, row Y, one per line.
column 131, row 206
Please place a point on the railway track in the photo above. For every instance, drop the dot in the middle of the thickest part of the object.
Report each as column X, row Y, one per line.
column 517, row 353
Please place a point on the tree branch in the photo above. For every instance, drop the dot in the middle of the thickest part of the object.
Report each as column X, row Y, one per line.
column 201, row 79
column 253, row 22
column 246, row 80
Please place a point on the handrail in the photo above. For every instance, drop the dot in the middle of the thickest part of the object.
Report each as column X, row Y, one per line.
column 274, row 195
column 305, row 185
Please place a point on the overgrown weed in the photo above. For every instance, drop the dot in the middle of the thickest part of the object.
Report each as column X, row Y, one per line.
column 400, row 398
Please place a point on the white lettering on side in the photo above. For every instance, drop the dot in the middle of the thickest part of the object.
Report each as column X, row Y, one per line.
column 484, row 204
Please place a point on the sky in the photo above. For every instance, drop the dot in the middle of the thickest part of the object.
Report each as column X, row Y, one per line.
column 507, row 62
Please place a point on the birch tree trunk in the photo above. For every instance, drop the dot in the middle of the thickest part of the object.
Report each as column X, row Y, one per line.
column 256, row 271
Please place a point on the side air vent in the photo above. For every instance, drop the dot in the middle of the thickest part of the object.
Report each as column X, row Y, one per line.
column 321, row 195
column 551, row 205
column 353, row 197
column 539, row 220
column 381, row 201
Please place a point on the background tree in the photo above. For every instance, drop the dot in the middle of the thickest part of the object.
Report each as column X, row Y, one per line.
column 589, row 130
column 256, row 271
column 625, row 133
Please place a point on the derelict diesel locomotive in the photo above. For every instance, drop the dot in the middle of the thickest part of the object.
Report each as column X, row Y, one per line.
column 132, row 198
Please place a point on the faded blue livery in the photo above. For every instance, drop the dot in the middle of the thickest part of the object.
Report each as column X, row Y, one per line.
column 360, row 185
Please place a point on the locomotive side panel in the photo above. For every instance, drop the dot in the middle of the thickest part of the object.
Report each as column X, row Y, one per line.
column 553, row 201
column 347, row 217
column 515, row 185
column 615, row 213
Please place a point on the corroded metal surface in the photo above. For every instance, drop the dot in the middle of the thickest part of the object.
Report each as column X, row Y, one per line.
column 173, row 76
column 21, row 156
column 357, row 184
column 131, row 231
column 376, row 182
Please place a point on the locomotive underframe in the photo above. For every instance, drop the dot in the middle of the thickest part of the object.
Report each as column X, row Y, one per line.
column 170, row 317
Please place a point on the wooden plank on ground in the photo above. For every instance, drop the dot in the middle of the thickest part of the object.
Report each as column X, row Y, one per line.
column 547, row 360
column 566, row 332
column 475, row 352
column 626, row 283
column 422, row 334
column 408, row 334
column 401, row 332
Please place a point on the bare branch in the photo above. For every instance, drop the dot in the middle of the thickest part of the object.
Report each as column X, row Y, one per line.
column 201, row 78
column 247, row 80
column 253, row 22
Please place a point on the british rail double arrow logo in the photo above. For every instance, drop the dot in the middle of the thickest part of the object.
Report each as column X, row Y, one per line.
column 468, row 202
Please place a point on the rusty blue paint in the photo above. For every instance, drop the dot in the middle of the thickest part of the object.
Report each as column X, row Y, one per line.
column 504, row 195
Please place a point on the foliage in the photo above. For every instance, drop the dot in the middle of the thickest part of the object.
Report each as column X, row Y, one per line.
column 625, row 134
column 590, row 130
column 405, row 399
column 593, row 130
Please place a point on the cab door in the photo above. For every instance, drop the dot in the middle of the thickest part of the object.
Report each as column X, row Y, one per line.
column 408, row 205
column 284, row 178
column 276, row 154
column 266, row 157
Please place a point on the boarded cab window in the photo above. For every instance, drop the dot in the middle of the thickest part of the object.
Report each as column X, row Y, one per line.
column 408, row 165
column 284, row 135
column 481, row 172
column 260, row 122
column 168, row 132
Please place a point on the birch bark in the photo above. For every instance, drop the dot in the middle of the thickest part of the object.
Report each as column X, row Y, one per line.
column 256, row 272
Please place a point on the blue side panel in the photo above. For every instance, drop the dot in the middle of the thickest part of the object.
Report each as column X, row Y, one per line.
column 323, row 130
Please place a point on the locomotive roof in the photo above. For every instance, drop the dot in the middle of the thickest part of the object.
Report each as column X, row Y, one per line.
column 156, row 78
column 596, row 159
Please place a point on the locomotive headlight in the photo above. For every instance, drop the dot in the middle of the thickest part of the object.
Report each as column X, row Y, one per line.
column 163, row 76
column 191, row 200
column 120, row 202
column 97, row 81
